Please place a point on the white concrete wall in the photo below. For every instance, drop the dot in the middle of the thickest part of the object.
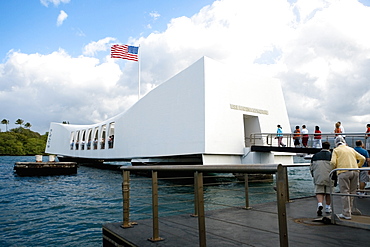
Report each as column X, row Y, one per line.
column 169, row 120
column 188, row 114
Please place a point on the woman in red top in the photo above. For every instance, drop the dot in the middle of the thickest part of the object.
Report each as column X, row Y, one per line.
column 337, row 128
column 317, row 138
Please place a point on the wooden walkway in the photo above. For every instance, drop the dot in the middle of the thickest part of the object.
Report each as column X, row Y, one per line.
column 255, row 227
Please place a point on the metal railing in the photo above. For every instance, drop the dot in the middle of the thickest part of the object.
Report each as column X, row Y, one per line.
column 269, row 138
column 344, row 194
column 282, row 189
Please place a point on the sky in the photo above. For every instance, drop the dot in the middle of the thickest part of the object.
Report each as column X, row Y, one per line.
column 55, row 60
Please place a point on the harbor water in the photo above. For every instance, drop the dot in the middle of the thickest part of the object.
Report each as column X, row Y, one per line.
column 70, row 210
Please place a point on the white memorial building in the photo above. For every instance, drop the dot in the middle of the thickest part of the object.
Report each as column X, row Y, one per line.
column 203, row 115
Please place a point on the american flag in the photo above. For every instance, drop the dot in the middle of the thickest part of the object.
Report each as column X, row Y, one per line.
column 125, row 52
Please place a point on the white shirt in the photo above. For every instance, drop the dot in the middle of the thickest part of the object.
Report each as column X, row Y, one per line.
column 342, row 129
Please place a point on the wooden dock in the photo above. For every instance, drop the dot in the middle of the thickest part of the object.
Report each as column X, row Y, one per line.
column 45, row 168
column 255, row 227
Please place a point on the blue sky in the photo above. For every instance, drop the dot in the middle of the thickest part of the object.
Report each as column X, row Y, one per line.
column 55, row 60
column 31, row 27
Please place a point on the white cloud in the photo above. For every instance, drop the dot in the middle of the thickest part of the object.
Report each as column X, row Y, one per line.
column 320, row 51
column 155, row 15
column 57, row 87
column 61, row 18
column 55, row 2
column 318, row 56
column 100, row 45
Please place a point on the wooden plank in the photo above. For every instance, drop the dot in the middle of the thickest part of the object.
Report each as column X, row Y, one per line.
column 255, row 227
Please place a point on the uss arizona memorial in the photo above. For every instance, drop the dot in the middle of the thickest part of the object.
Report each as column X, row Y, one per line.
column 203, row 115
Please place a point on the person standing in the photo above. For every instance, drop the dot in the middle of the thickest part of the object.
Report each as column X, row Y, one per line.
column 346, row 157
column 317, row 138
column 367, row 137
column 279, row 136
column 297, row 137
column 304, row 136
column 337, row 129
column 341, row 129
column 364, row 176
column 320, row 169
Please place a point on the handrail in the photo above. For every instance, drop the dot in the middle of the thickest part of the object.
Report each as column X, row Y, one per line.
column 221, row 168
column 269, row 138
column 281, row 187
column 342, row 194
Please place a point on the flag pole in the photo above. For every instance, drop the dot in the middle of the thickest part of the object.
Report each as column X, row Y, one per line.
column 139, row 73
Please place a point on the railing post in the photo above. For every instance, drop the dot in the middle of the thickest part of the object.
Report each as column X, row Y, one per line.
column 200, row 203
column 155, row 208
column 246, row 191
column 195, row 196
column 126, row 199
column 281, row 201
column 285, row 175
column 267, row 140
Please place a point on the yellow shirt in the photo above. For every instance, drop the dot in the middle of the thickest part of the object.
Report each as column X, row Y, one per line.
column 346, row 157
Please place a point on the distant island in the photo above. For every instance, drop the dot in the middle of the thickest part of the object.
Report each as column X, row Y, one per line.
column 21, row 141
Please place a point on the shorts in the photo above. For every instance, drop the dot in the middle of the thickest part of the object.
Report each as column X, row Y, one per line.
column 364, row 177
column 297, row 142
column 323, row 189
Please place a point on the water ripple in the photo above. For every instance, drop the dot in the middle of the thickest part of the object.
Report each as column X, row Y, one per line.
column 70, row 210
column 57, row 210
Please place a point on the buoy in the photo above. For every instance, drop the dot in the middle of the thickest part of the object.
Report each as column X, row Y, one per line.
column 38, row 158
column 51, row 158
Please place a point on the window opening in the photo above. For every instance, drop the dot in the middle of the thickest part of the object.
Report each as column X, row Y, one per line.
column 96, row 136
column 77, row 139
column 72, row 141
column 83, row 140
column 111, row 135
column 103, row 134
column 88, row 145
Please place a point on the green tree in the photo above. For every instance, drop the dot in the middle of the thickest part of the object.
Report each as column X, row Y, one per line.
column 34, row 146
column 20, row 122
column 28, row 125
column 10, row 145
column 21, row 141
column 6, row 122
column 25, row 133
